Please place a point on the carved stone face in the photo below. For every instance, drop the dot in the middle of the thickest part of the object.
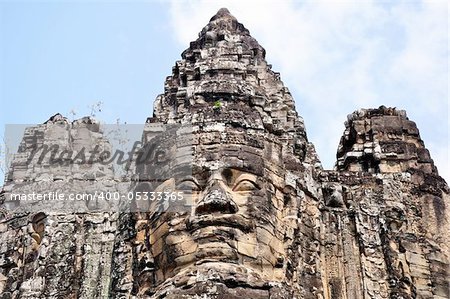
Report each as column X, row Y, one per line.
column 238, row 221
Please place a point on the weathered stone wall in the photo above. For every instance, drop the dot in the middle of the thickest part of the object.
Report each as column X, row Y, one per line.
column 56, row 249
column 261, row 218
column 382, row 140
column 399, row 211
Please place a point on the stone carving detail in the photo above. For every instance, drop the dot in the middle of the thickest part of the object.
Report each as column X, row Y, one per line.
column 264, row 220
column 382, row 140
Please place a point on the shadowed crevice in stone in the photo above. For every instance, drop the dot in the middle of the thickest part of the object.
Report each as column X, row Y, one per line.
column 216, row 201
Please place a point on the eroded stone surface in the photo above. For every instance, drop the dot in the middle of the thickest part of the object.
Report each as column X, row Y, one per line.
column 264, row 219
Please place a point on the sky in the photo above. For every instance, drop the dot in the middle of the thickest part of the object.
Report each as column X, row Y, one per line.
column 334, row 56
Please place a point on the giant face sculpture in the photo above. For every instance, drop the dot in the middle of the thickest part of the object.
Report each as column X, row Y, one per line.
column 242, row 213
column 240, row 217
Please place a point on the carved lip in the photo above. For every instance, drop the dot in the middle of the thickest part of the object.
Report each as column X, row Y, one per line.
column 228, row 220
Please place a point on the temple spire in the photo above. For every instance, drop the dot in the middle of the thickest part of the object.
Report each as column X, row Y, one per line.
column 224, row 77
column 223, row 12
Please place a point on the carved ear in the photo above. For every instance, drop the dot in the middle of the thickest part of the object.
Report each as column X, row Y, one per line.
column 38, row 224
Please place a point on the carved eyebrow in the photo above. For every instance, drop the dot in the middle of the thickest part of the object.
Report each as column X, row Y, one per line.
column 246, row 177
column 188, row 179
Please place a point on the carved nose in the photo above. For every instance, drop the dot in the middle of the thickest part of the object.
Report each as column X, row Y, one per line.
column 216, row 201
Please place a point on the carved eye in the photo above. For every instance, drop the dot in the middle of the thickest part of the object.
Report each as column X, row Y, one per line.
column 245, row 186
column 166, row 189
column 188, row 185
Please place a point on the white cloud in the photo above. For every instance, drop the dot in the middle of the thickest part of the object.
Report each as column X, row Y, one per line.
column 338, row 56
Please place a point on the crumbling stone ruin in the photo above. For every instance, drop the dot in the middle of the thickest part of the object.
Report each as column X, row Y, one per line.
column 265, row 220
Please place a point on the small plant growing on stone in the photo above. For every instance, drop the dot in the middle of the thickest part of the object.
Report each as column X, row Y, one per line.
column 217, row 104
column 95, row 108
column 216, row 107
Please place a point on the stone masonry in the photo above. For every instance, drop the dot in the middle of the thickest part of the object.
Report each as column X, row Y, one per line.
column 260, row 217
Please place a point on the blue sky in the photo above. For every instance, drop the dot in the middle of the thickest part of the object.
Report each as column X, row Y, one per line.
column 334, row 56
column 58, row 57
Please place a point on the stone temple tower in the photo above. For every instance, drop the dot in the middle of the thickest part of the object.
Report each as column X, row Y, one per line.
column 261, row 217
